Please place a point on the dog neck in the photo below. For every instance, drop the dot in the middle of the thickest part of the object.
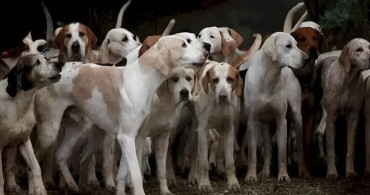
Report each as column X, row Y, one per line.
column 270, row 70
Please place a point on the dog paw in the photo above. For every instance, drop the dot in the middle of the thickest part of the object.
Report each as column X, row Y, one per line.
column 332, row 175
column 39, row 190
column 13, row 188
column 110, row 188
column 171, row 182
column 93, row 183
column 193, row 180
column 264, row 175
column 351, row 174
column 205, row 187
column 284, row 178
column 304, row 173
column 233, row 186
column 367, row 173
column 50, row 185
column 166, row 193
column 251, row 179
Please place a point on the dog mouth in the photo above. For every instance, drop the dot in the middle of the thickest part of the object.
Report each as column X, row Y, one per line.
column 55, row 78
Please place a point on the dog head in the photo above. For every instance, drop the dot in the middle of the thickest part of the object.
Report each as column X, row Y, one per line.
column 172, row 51
column 192, row 40
column 282, row 48
column 356, row 53
column 74, row 41
column 223, row 40
column 309, row 38
column 32, row 71
column 182, row 83
column 117, row 44
column 223, row 79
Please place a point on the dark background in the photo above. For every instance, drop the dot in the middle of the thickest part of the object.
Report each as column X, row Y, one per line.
column 145, row 17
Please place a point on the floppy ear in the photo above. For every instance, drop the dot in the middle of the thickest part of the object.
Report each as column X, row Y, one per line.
column 205, row 81
column 59, row 39
column 239, row 85
column 91, row 36
column 269, row 47
column 163, row 61
column 236, row 36
column 14, row 82
column 344, row 59
column 148, row 43
column 227, row 46
column 103, row 56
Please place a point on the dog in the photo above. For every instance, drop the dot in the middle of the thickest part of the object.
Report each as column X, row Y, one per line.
column 221, row 87
column 342, row 80
column 270, row 87
column 125, row 106
column 31, row 73
column 75, row 42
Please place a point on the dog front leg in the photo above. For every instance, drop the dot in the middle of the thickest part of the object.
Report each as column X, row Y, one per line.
column 320, row 133
column 108, row 161
column 351, row 143
column 203, row 144
column 161, row 146
column 367, row 137
column 170, row 172
column 251, row 134
column 29, row 157
column 330, row 146
column 265, row 173
column 232, row 182
column 10, row 167
column 297, row 126
column 281, row 126
column 1, row 174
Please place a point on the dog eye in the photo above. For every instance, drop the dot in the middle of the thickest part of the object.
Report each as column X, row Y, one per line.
column 81, row 34
column 303, row 39
column 215, row 80
column 359, row 50
column 175, row 79
column 315, row 38
column 183, row 44
column 199, row 36
column 212, row 36
column 188, row 40
column 188, row 78
column 229, row 79
column 289, row 46
column 68, row 35
column 124, row 39
column 38, row 62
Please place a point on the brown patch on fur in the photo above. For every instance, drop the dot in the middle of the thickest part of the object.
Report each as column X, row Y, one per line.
column 107, row 80
column 148, row 43
column 308, row 38
column 90, row 38
column 238, row 81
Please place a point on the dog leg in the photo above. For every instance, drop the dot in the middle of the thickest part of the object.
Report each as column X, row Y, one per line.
column 128, row 148
column 351, row 143
column 367, row 138
column 203, row 144
column 193, row 177
column 297, row 126
column 47, row 168
column 92, row 180
column 10, row 167
column 28, row 155
column 108, row 161
column 161, row 146
column 251, row 134
column 320, row 133
column 265, row 173
column 232, row 182
column 281, row 133
column 1, row 174
column 171, row 177
column 330, row 147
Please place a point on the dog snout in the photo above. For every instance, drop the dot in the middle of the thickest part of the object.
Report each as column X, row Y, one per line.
column 75, row 45
column 222, row 96
column 184, row 94
column 207, row 46
column 59, row 65
column 313, row 53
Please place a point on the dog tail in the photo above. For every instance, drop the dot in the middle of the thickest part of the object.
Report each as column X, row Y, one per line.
column 120, row 14
column 248, row 54
column 288, row 23
column 300, row 21
column 168, row 28
column 50, row 37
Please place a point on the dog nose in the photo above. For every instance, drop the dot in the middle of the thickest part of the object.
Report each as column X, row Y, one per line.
column 207, row 46
column 313, row 53
column 75, row 45
column 222, row 97
column 184, row 93
column 59, row 66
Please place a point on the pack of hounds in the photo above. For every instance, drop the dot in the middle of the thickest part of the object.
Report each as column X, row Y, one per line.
column 197, row 102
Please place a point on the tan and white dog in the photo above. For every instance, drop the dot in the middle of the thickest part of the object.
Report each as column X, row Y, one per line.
column 270, row 88
column 116, row 99
column 17, row 118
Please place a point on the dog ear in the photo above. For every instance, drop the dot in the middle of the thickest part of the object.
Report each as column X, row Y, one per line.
column 163, row 61
column 269, row 47
column 59, row 39
column 344, row 58
column 227, row 46
column 238, row 85
column 148, row 43
column 91, row 36
column 236, row 36
column 205, row 81
column 14, row 82
column 103, row 56
column 17, row 78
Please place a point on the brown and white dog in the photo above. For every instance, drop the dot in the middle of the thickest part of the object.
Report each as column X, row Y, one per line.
column 17, row 118
column 75, row 42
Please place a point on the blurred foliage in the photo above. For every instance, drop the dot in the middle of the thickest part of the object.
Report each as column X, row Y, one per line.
column 343, row 20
